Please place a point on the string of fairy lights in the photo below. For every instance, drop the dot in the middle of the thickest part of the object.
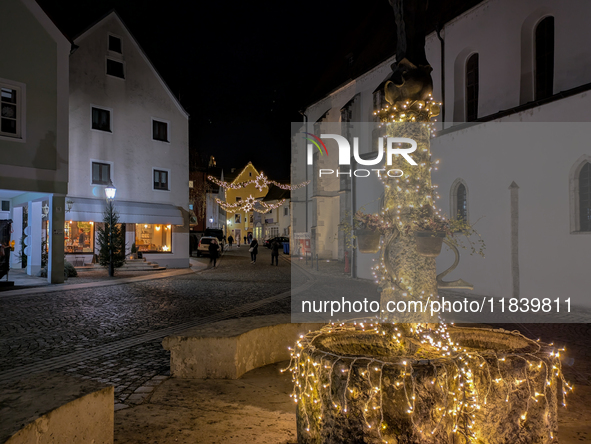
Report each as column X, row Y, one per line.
column 409, row 111
column 260, row 182
column 463, row 383
column 462, row 377
column 250, row 203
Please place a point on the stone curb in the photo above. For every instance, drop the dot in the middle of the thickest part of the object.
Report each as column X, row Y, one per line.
column 66, row 287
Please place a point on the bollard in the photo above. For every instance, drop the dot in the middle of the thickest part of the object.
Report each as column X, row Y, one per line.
column 316, row 262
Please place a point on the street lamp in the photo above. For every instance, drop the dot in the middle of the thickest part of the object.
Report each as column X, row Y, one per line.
column 110, row 193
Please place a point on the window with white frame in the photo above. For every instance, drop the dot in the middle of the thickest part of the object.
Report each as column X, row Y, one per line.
column 286, row 211
column 101, row 119
column 11, row 114
column 160, row 130
column 161, row 180
column 101, row 173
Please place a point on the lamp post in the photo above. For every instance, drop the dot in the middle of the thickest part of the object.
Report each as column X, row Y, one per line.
column 110, row 194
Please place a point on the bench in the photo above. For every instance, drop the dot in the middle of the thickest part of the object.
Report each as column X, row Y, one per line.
column 56, row 408
column 228, row 349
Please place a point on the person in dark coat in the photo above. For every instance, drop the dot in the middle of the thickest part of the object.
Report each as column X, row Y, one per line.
column 255, row 250
column 275, row 246
column 213, row 252
column 230, row 240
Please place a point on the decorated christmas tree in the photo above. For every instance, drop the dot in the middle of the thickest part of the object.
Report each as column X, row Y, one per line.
column 111, row 240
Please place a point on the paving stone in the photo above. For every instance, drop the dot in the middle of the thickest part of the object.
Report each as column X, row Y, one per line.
column 144, row 389
column 37, row 327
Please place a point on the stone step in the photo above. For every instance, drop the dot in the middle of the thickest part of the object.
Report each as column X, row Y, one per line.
column 130, row 265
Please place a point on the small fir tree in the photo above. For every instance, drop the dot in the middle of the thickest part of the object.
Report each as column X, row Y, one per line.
column 117, row 248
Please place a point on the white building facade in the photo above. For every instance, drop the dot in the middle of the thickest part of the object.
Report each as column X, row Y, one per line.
column 512, row 67
column 33, row 136
column 129, row 130
column 276, row 222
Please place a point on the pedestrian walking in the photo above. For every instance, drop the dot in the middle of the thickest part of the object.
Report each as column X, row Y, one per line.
column 230, row 240
column 213, row 252
column 249, row 238
column 254, row 250
column 244, row 240
column 275, row 246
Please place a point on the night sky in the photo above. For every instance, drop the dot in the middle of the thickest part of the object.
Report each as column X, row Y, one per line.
column 241, row 69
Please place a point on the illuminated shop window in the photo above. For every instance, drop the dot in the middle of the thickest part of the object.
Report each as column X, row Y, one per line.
column 79, row 237
column 153, row 238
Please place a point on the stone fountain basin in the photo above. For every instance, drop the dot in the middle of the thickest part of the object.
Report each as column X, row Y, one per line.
column 507, row 370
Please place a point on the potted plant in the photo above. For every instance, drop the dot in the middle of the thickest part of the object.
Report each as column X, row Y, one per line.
column 133, row 254
column 429, row 231
column 368, row 230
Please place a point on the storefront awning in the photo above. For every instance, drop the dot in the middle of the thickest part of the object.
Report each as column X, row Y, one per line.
column 84, row 209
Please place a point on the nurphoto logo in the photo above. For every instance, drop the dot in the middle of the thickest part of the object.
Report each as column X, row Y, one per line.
column 393, row 147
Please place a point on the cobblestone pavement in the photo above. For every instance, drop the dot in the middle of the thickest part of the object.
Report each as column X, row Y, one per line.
column 113, row 334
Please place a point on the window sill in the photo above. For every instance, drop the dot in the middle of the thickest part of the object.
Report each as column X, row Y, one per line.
column 12, row 138
column 114, row 77
column 161, row 141
column 581, row 232
column 161, row 189
column 101, row 131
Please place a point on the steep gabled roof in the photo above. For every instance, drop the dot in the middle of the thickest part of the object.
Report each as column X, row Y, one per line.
column 46, row 20
column 113, row 14
column 276, row 193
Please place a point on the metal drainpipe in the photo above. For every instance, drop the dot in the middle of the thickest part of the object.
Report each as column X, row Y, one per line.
column 352, row 221
column 438, row 29
column 306, row 167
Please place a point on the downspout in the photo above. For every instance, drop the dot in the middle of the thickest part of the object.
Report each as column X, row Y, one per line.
column 442, row 42
column 305, row 116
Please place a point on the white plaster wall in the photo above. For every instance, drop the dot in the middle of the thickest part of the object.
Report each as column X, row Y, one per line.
column 553, row 262
column 38, row 160
column 130, row 147
column 498, row 30
column 494, row 30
